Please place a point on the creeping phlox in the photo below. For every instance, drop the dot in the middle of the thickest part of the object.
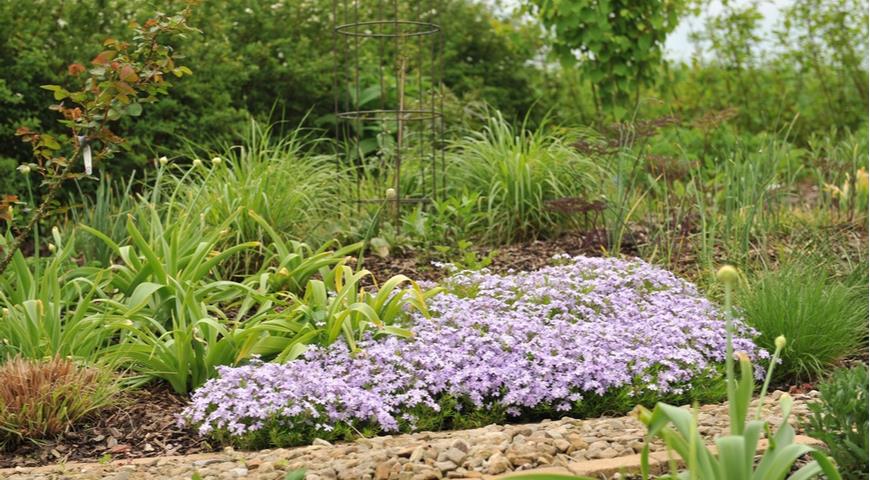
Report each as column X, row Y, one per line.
column 552, row 337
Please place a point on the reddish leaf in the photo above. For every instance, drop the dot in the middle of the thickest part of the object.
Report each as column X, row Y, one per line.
column 128, row 74
column 75, row 69
column 6, row 202
column 121, row 448
column 125, row 88
column 104, row 57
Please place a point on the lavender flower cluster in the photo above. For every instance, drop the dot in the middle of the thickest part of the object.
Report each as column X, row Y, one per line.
column 551, row 337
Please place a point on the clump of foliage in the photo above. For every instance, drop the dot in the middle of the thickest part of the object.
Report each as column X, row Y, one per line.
column 43, row 398
column 120, row 80
column 620, row 41
column 735, row 459
column 824, row 319
column 304, row 191
column 47, row 307
column 840, row 419
column 516, row 171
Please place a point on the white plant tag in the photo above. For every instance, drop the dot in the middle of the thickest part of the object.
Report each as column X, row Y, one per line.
column 86, row 153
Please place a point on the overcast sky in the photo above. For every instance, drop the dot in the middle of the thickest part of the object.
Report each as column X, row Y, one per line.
column 678, row 46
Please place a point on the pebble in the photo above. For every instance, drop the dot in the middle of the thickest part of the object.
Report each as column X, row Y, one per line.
column 491, row 450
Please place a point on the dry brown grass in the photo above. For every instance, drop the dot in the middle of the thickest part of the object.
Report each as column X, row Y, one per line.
column 43, row 398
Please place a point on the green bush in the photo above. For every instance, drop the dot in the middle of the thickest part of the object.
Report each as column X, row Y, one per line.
column 840, row 420
column 823, row 319
column 247, row 62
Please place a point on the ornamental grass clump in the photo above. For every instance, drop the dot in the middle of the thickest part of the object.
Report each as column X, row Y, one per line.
column 586, row 336
column 43, row 398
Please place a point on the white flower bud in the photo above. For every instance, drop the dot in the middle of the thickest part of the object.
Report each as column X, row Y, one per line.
column 197, row 163
column 24, row 169
column 163, row 160
column 216, row 161
column 52, row 248
column 391, row 194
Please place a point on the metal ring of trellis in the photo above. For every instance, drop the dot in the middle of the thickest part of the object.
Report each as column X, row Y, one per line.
column 352, row 29
column 388, row 97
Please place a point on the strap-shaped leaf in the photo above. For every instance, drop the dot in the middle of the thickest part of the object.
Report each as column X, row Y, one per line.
column 775, row 464
column 732, row 458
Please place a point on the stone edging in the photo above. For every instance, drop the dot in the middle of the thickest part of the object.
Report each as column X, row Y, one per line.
column 630, row 464
column 568, row 444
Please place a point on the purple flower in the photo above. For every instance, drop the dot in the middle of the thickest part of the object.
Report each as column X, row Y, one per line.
column 550, row 337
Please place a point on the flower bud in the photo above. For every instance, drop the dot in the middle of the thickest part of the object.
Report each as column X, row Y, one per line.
column 52, row 248
column 24, row 169
column 727, row 274
column 55, row 231
column 780, row 342
column 216, row 161
column 163, row 160
column 197, row 163
column 391, row 194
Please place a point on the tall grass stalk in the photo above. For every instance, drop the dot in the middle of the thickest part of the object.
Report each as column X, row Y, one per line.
column 517, row 170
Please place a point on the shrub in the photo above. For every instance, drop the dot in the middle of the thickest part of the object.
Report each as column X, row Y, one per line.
column 516, row 171
column 840, row 420
column 42, row 398
column 590, row 336
column 824, row 320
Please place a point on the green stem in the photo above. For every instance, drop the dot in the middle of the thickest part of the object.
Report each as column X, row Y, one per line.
column 767, row 381
column 729, row 359
column 36, row 252
column 41, row 212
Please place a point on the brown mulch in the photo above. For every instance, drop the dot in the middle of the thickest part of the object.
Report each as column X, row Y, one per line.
column 527, row 256
column 142, row 424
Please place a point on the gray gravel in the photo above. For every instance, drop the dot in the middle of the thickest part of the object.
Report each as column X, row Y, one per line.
column 479, row 453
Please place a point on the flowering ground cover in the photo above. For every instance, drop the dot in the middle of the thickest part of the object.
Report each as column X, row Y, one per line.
column 584, row 336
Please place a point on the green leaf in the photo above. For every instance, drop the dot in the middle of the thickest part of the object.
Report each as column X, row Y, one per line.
column 134, row 109
column 50, row 142
column 295, row 475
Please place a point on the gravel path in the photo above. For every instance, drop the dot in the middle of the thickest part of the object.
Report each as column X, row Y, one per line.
column 480, row 453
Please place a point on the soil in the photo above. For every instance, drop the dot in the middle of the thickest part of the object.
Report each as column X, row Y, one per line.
column 142, row 424
column 526, row 256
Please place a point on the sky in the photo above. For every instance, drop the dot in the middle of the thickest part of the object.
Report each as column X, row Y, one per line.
column 678, row 46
